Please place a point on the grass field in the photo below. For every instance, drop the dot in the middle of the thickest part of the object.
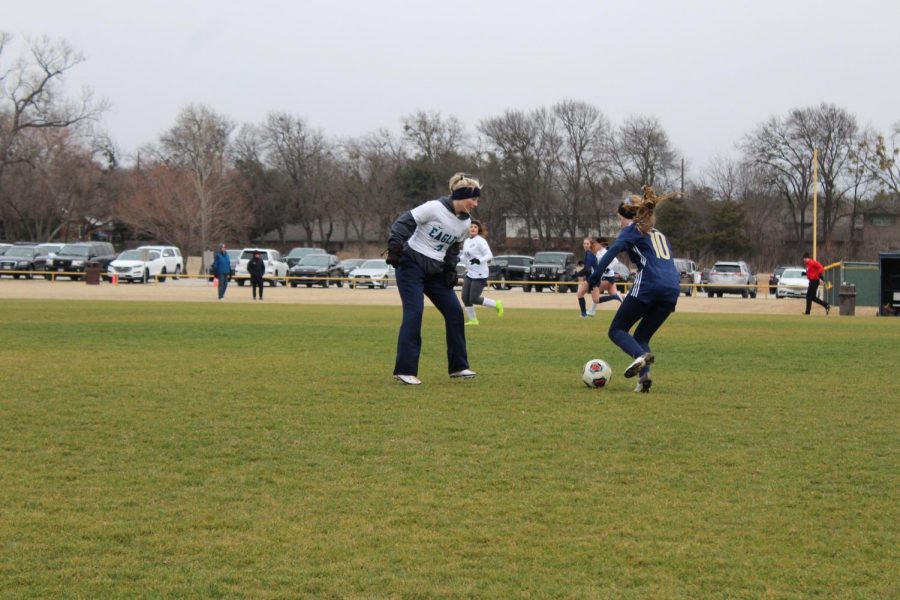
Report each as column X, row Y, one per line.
column 240, row 450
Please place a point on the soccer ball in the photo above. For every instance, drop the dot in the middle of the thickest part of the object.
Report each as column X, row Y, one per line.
column 596, row 373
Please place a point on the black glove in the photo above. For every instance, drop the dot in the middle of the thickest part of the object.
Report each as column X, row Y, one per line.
column 394, row 253
column 474, row 261
column 451, row 278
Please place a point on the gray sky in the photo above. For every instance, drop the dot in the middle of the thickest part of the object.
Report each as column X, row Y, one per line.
column 709, row 70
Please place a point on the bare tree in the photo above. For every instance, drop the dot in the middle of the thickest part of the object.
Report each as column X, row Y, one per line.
column 582, row 162
column 31, row 101
column 199, row 144
column 523, row 154
column 185, row 193
column 433, row 137
column 258, row 184
column 370, row 167
column 784, row 148
column 881, row 159
column 786, row 163
column 641, row 153
column 299, row 153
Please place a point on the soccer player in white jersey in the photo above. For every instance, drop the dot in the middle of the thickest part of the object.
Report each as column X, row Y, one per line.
column 476, row 255
column 424, row 248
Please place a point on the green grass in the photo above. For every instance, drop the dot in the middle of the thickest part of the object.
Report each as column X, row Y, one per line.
column 225, row 450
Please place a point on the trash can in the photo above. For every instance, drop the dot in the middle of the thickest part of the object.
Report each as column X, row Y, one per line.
column 847, row 299
column 92, row 272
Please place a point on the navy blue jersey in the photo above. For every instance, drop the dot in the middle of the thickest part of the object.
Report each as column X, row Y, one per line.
column 590, row 259
column 657, row 277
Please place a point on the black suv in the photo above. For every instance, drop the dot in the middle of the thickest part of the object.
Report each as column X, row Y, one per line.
column 505, row 269
column 72, row 258
column 553, row 266
column 19, row 259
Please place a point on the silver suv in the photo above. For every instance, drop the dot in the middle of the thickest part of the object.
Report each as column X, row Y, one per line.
column 731, row 277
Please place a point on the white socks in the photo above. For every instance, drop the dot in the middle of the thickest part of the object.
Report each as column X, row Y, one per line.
column 489, row 302
column 470, row 311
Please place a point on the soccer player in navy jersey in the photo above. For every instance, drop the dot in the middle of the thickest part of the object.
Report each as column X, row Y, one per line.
column 654, row 294
column 590, row 259
column 424, row 248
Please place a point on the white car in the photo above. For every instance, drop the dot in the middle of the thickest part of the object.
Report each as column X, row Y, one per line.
column 171, row 255
column 372, row 273
column 137, row 265
column 792, row 283
column 276, row 268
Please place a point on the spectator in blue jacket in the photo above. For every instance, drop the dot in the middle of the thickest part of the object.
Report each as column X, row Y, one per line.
column 221, row 269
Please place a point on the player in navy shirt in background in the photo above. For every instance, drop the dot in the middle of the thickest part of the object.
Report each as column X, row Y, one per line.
column 654, row 294
column 590, row 259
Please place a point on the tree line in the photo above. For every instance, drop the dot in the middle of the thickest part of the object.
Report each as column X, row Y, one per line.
column 552, row 174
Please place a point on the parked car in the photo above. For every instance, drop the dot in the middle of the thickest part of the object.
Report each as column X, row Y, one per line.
column 792, row 283
column 4, row 248
column 348, row 264
column 731, row 277
column 19, row 258
column 553, row 266
column 276, row 268
column 623, row 274
column 173, row 263
column 138, row 265
column 320, row 269
column 372, row 273
column 689, row 275
column 297, row 254
column 46, row 254
column 234, row 256
column 72, row 258
column 508, row 268
column 776, row 275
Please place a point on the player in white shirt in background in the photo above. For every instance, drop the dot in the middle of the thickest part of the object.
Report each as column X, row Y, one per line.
column 608, row 281
column 476, row 255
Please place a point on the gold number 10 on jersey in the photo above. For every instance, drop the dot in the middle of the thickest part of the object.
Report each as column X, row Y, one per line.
column 659, row 245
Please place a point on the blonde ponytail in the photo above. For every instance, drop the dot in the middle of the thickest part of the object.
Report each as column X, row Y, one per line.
column 644, row 205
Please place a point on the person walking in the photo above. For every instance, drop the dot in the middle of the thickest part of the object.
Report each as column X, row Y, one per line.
column 655, row 291
column 424, row 248
column 256, row 267
column 814, row 272
column 476, row 254
column 221, row 269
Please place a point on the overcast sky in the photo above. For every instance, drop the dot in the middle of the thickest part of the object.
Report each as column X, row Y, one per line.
column 709, row 70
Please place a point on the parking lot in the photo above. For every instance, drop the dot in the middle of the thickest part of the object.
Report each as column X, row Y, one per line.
column 200, row 290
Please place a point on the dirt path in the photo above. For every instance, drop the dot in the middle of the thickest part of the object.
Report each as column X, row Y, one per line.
column 198, row 290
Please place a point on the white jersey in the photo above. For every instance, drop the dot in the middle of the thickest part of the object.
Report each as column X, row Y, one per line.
column 609, row 272
column 436, row 229
column 476, row 247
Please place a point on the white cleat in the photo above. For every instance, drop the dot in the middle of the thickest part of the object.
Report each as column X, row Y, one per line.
column 639, row 363
column 464, row 374
column 408, row 379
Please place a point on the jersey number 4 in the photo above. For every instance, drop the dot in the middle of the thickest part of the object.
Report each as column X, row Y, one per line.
column 660, row 245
